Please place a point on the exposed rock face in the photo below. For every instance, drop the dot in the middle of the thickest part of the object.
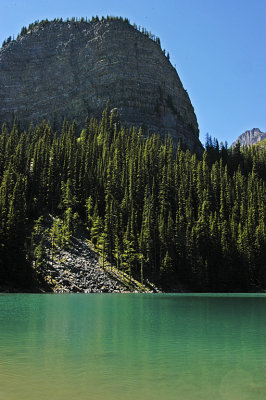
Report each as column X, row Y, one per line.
column 251, row 137
column 71, row 69
column 78, row 270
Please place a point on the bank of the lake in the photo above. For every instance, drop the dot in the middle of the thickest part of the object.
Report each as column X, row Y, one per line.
column 78, row 269
column 132, row 346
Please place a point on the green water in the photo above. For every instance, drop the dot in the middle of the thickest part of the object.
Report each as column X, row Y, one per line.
column 132, row 346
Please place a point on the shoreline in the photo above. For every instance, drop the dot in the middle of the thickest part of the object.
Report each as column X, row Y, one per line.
column 8, row 288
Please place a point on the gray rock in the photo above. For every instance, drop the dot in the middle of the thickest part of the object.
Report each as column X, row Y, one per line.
column 69, row 69
column 249, row 138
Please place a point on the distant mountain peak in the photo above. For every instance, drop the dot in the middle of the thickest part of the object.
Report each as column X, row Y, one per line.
column 250, row 137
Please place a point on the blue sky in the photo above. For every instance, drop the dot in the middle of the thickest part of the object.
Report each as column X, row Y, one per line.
column 218, row 48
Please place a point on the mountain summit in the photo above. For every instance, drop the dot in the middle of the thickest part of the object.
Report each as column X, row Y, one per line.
column 69, row 69
column 251, row 137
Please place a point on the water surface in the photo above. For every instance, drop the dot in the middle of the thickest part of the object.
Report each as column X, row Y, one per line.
column 132, row 346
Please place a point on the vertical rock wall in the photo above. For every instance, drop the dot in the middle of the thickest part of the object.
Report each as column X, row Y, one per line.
column 71, row 69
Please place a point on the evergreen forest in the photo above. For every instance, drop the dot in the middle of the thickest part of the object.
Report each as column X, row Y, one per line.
column 152, row 209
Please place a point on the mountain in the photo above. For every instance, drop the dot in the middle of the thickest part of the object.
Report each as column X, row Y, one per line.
column 248, row 138
column 57, row 69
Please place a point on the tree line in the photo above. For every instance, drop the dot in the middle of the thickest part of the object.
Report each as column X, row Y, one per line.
column 38, row 25
column 153, row 209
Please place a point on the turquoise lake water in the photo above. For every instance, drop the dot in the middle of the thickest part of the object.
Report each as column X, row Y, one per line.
column 132, row 346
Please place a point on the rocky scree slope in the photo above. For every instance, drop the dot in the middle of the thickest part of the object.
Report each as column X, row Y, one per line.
column 78, row 269
column 70, row 69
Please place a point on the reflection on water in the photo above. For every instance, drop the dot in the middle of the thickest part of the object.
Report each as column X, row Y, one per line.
column 132, row 347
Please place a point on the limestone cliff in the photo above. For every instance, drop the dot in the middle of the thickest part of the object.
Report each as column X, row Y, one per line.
column 70, row 69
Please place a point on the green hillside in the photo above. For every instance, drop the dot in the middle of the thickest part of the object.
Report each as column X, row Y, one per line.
column 157, row 213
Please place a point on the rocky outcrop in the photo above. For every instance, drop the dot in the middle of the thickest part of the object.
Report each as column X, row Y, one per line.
column 70, row 69
column 248, row 138
column 78, row 269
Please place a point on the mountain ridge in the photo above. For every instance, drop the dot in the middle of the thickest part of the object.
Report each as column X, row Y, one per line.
column 250, row 137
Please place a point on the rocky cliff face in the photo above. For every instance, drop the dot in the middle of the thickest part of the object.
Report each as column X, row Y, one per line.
column 71, row 69
column 249, row 138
